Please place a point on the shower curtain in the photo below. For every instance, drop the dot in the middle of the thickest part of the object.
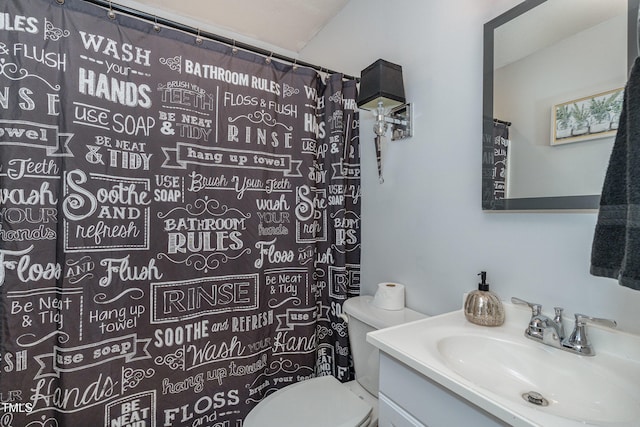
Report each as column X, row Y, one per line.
column 179, row 222
column 500, row 156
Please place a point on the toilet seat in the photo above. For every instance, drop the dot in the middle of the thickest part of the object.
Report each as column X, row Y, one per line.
column 317, row 402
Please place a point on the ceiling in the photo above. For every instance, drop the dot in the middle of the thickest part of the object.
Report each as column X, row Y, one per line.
column 285, row 24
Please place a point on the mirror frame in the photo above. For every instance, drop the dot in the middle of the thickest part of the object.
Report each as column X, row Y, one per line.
column 588, row 203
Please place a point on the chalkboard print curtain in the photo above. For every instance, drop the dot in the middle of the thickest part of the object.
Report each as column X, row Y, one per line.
column 179, row 222
column 500, row 149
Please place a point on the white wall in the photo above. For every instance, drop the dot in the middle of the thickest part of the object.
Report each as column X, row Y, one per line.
column 424, row 226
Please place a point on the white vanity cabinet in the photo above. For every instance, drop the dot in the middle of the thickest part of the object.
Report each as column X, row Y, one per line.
column 410, row 399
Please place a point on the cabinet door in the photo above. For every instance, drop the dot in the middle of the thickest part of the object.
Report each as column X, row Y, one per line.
column 391, row 415
column 425, row 400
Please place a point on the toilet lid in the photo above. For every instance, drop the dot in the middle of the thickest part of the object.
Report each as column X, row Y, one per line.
column 318, row 402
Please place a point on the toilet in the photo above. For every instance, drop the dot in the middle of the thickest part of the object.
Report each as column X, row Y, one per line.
column 325, row 401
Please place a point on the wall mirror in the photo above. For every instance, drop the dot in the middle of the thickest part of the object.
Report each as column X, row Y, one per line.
column 554, row 71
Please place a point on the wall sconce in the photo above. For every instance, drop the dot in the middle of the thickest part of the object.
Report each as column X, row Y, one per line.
column 382, row 91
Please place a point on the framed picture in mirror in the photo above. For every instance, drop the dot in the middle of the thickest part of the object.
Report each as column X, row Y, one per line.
column 587, row 118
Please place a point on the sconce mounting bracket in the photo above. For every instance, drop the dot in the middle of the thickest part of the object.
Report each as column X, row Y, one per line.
column 399, row 119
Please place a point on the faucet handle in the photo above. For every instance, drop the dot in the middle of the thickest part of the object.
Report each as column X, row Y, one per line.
column 578, row 341
column 536, row 309
column 582, row 320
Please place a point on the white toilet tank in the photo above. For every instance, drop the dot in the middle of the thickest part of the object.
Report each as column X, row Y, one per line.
column 364, row 317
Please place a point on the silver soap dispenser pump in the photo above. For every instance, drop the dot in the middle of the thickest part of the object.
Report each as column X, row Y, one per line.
column 482, row 306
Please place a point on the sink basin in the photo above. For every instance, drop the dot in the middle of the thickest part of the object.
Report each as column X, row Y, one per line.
column 570, row 386
column 520, row 381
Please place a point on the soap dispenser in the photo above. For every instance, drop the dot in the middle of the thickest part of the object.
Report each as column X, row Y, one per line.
column 482, row 306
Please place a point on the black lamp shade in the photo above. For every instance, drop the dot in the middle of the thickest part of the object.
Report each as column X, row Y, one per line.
column 381, row 81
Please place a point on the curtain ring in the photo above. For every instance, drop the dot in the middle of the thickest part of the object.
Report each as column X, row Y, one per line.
column 234, row 49
column 268, row 59
column 60, row 1
column 111, row 14
column 198, row 38
column 156, row 27
column 295, row 64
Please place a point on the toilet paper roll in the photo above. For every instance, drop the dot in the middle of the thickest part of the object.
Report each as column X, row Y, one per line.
column 389, row 296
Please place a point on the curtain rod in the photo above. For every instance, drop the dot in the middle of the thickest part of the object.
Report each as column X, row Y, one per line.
column 196, row 31
column 502, row 122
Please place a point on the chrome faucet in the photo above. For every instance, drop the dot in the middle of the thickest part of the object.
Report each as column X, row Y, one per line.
column 551, row 331
column 543, row 328
column 578, row 341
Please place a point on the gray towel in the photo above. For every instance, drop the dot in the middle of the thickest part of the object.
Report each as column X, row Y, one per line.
column 616, row 244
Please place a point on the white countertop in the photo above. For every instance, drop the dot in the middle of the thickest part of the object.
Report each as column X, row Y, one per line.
column 419, row 345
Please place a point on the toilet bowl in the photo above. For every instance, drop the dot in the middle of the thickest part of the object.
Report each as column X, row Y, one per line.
column 325, row 401
column 318, row 402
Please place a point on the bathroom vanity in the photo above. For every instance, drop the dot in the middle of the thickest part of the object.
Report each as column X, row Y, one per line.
column 444, row 371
